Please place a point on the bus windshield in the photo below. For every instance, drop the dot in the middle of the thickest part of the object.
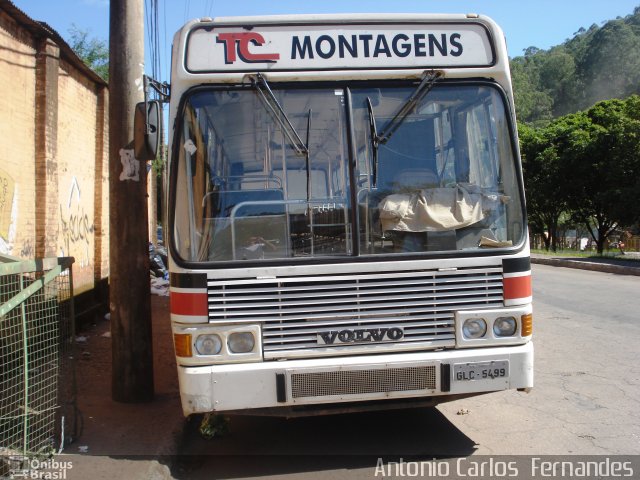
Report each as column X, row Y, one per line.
column 317, row 172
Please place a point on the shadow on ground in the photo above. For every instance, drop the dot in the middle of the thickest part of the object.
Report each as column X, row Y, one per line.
column 259, row 447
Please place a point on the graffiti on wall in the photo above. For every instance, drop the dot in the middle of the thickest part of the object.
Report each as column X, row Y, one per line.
column 27, row 250
column 7, row 212
column 77, row 228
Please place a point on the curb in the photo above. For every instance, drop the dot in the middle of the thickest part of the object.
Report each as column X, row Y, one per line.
column 593, row 266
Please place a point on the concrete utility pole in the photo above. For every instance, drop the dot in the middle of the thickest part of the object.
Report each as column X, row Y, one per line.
column 130, row 302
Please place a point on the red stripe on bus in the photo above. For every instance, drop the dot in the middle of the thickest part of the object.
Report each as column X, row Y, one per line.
column 189, row 303
column 517, row 287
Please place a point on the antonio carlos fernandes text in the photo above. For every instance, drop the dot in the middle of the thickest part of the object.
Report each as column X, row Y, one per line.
column 494, row 468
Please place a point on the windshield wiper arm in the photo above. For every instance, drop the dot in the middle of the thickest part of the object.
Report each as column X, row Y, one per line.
column 428, row 81
column 374, row 144
column 271, row 102
column 307, row 162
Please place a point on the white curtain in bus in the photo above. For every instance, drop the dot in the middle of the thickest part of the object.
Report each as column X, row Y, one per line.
column 435, row 209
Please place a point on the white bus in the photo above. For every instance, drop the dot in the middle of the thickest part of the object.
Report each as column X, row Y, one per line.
column 346, row 216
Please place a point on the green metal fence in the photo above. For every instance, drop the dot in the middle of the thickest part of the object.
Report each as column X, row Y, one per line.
column 38, row 412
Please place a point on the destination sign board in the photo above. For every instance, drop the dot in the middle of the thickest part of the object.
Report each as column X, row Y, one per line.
column 338, row 47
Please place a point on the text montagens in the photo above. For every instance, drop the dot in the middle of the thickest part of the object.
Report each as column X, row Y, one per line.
column 375, row 46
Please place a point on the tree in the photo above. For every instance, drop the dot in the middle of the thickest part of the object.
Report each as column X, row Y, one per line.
column 92, row 51
column 558, row 80
column 532, row 105
column 587, row 165
column 603, row 156
column 543, row 169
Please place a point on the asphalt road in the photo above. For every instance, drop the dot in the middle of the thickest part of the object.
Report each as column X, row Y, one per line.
column 586, row 401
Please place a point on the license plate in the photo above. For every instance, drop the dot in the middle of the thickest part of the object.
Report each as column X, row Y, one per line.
column 463, row 372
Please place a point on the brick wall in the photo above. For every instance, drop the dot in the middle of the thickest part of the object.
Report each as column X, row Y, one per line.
column 54, row 155
column 17, row 133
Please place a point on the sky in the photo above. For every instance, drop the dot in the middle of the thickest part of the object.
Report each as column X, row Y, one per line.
column 526, row 23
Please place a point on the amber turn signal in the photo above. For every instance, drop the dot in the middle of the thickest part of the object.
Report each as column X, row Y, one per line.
column 182, row 342
column 527, row 324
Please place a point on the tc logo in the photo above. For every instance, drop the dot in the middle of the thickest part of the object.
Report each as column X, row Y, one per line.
column 237, row 45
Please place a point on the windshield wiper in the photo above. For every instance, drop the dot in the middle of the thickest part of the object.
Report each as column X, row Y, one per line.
column 271, row 103
column 374, row 144
column 307, row 162
column 428, row 81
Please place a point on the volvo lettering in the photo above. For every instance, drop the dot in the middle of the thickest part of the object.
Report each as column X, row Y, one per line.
column 361, row 335
column 346, row 216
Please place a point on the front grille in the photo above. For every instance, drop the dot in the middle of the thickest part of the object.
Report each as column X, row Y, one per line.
column 361, row 382
column 293, row 310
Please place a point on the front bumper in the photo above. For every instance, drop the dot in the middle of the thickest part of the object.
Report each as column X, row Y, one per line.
column 293, row 383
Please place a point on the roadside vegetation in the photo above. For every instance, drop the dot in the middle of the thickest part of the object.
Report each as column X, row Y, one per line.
column 579, row 110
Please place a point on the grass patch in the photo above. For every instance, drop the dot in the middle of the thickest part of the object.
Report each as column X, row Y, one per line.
column 609, row 255
column 565, row 253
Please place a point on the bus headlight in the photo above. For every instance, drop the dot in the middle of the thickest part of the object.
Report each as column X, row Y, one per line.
column 494, row 327
column 241, row 342
column 474, row 328
column 504, row 326
column 217, row 344
column 208, row 344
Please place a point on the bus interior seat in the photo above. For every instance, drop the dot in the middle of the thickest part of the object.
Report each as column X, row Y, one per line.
column 262, row 217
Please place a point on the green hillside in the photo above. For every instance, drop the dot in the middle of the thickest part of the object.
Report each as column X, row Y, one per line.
column 598, row 63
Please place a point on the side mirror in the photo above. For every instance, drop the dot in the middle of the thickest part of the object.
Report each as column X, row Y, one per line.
column 147, row 128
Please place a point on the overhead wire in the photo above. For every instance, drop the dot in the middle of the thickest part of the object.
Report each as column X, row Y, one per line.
column 156, row 15
column 154, row 70
column 187, row 10
column 149, row 37
column 153, row 37
column 166, row 46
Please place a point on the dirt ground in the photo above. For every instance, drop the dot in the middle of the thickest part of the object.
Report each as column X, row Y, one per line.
column 112, row 428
